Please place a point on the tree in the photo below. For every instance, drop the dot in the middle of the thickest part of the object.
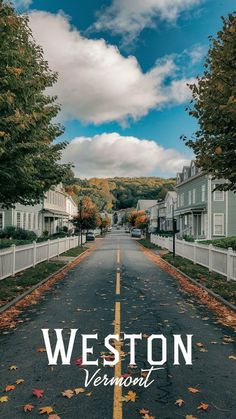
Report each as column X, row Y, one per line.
column 214, row 105
column 134, row 215
column 88, row 216
column 105, row 222
column 142, row 222
column 29, row 159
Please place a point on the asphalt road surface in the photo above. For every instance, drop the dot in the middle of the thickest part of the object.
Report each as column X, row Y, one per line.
column 117, row 289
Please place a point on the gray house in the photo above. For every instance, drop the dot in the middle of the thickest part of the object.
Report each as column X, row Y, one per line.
column 202, row 212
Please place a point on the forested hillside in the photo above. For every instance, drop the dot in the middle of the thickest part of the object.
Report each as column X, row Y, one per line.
column 120, row 193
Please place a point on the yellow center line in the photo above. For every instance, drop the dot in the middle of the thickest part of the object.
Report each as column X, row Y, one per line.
column 117, row 403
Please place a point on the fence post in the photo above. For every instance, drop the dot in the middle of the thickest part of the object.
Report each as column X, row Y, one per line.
column 183, row 248
column 210, row 258
column 194, row 253
column 34, row 253
column 13, row 259
column 229, row 263
column 58, row 246
column 48, row 249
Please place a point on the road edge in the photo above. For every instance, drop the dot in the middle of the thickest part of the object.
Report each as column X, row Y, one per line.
column 193, row 281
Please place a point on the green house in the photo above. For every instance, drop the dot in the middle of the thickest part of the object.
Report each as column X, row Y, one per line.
column 201, row 211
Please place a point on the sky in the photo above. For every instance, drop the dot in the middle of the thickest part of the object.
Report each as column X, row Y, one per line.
column 123, row 68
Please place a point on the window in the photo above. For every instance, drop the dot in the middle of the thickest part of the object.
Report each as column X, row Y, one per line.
column 24, row 220
column 194, row 196
column 1, row 220
column 218, row 224
column 178, row 201
column 189, row 197
column 18, row 220
column 29, row 221
column 185, row 220
column 218, row 195
column 203, row 193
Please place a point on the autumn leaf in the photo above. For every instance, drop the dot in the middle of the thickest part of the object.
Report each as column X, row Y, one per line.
column 13, row 368
column 130, row 397
column 3, row 399
column 89, row 394
column 144, row 411
column 41, row 349
column 199, row 344
column 28, row 407
column 38, row 393
column 179, row 402
column 79, row 361
column 79, row 390
column 233, row 357
column 203, row 406
column 125, row 375
column 45, row 409
column 68, row 393
column 20, row 381
column 193, row 390
column 190, row 417
column 53, row 417
column 9, row 388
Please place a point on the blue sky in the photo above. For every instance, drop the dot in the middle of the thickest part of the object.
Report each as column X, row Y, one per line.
column 123, row 99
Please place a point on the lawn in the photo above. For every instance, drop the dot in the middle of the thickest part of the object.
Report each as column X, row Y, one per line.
column 13, row 286
column 211, row 280
column 76, row 251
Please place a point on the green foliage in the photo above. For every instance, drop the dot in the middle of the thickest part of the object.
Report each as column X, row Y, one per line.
column 188, row 238
column 121, row 193
column 28, row 157
column 214, row 106
column 224, row 243
column 17, row 233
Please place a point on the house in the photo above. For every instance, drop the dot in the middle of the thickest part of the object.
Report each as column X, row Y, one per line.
column 161, row 214
column 145, row 204
column 55, row 212
column 202, row 211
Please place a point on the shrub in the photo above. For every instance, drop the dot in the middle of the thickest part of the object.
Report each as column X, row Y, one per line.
column 188, row 238
column 17, row 233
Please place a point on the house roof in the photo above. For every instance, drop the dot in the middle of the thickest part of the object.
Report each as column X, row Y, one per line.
column 144, row 204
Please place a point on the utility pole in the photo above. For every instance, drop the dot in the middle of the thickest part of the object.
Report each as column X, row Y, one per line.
column 80, row 221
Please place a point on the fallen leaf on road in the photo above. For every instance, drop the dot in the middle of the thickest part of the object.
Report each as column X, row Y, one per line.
column 9, row 388
column 147, row 416
column 45, row 409
column 3, row 399
column 79, row 390
column 130, row 397
column 79, row 361
column 89, row 394
column 38, row 393
column 54, row 417
column 193, row 390
column 13, row 368
column 179, row 402
column 203, row 350
column 28, row 407
column 125, row 375
column 41, row 349
column 233, row 357
column 199, row 344
column 68, row 393
column 20, row 381
column 144, row 411
column 203, row 406
column 190, row 417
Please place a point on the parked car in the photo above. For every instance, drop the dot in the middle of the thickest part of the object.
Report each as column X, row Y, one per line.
column 90, row 236
column 136, row 233
column 127, row 230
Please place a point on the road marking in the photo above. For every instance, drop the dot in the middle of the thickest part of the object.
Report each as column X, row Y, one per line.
column 117, row 403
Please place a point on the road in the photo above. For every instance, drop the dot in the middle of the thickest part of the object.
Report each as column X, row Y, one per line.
column 117, row 289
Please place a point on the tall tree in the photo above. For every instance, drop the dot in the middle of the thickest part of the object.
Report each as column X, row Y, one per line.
column 214, row 105
column 29, row 158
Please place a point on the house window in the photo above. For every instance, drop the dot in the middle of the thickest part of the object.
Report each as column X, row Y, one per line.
column 194, row 196
column 218, row 224
column 178, row 201
column 189, row 197
column 1, row 220
column 24, row 220
column 218, row 195
column 18, row 220
column 203, row 193
column 182, row 200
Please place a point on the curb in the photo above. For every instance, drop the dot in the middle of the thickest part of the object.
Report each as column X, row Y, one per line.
column 212, row 293
column 30, row 290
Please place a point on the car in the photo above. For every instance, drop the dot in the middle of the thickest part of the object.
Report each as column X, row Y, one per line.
column 127, row 230
column 90, row 236
column 136, row 232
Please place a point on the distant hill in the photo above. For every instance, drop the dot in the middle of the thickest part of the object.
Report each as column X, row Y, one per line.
column 121, row 192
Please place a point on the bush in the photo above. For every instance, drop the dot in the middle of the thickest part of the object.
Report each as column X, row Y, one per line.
column 188, row 238
column 223, row 243
column 17, row 233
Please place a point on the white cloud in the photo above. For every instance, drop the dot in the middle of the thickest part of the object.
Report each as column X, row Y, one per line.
column 21, row 4
column 96, row 82
column 109, row 155
column 129, row 17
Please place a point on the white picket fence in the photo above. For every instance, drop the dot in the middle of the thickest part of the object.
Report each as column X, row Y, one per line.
column 18, row 258
column 215, row 259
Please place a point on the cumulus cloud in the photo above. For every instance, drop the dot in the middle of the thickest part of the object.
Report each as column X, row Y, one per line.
column 108, row 155
column 96, row 82
column 129, row 17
